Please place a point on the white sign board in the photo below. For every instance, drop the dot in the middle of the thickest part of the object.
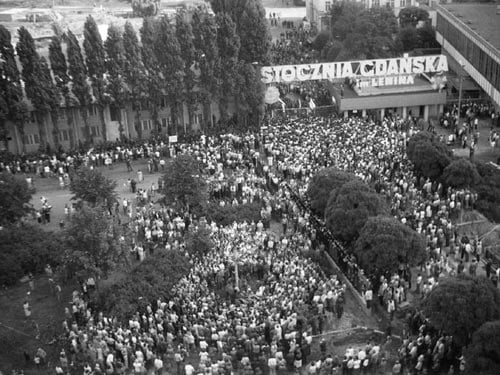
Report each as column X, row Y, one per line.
column 355, row 69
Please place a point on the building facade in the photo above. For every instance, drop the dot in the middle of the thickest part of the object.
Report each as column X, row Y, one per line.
column 74, row 130
column 470, row 36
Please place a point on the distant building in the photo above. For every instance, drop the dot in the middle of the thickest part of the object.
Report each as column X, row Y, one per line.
column 317, row 11
column 469, row 34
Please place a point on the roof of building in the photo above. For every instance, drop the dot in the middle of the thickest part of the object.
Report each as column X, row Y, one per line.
column 480, row 17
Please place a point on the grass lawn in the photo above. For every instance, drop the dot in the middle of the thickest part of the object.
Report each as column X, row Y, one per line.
column 18, row 334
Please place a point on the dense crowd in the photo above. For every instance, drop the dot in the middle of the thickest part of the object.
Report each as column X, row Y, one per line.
column 265, row 324
column 262, row 327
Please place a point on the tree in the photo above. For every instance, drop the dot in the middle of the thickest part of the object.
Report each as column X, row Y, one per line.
column 209, row 61
column 58, row 64
column 183, row 183
column 53, row 99
column 92, row 187
column 408, row 39
column 384, row 243
column 228, row 43
column 134, row 71
column 488, row 191
column 184, row 33
column 149, row 31
column 95, row 243
column 145, row 8
column 321, row 40
column 460, row 173
column 410, row 16
column 198, row 242
column 364, row 33
column 482, row 355
column 253, row 31
column 155, row 277
column 115, row 64
column 429, row 155
column 27, row 249
column 168, row 52
column 249, row 95
column 427, row 37
column 460, row 305
column 350, row 207
column 322, row 184
column 96, row 65
column 12, row 105
column 15, row 197
column 33, row 80
column 78, row 74
column 59, row 68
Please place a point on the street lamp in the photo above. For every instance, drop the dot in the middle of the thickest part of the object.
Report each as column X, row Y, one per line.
column 460, row 79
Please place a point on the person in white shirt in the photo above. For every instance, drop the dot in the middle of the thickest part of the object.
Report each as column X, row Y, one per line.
column 158, row 363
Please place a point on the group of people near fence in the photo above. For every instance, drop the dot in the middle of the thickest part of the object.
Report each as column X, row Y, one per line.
column 266, row 325
column 262, row 326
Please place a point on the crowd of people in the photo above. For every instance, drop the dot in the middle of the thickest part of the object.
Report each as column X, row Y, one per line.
column 265, row 324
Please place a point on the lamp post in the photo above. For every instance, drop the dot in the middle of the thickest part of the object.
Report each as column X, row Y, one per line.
column 460, row 79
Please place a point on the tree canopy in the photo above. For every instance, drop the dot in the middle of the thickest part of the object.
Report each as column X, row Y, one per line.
column 349, row 207
column 198, row 242
column 27, row 249
column 95, row 59
column 324, row 183
column 488, row 191
column 410, row 16
column 460, row 173
column 385, row 242
column 34, row 79
column 460, row 305
column 183, row 183
column 150, row 280
column 95, row 243
column 364, row 33
column 15, row 197
column 91, row 186
column 429, row 156
column 483, row 354
column 12, row 105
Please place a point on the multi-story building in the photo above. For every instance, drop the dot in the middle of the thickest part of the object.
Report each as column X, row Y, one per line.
column 469, row 34
column 73, row 130
column 317, row 11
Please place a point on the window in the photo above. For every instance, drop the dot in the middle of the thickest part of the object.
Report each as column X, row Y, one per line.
column 146, row 124
column 163, row 102
column 92, row 110
column 198, row 118
column 63, row 136
column 114, row 113
column 328, row 6
column 31, row 139
column 164, row 122
column 95, row 131
column 32, row 117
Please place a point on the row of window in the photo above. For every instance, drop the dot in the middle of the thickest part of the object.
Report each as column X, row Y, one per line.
column 90, row 111
column 167, row 122
column 488, row 67
column 63, row 136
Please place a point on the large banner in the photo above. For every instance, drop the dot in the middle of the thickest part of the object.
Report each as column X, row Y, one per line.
column 403, row 66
